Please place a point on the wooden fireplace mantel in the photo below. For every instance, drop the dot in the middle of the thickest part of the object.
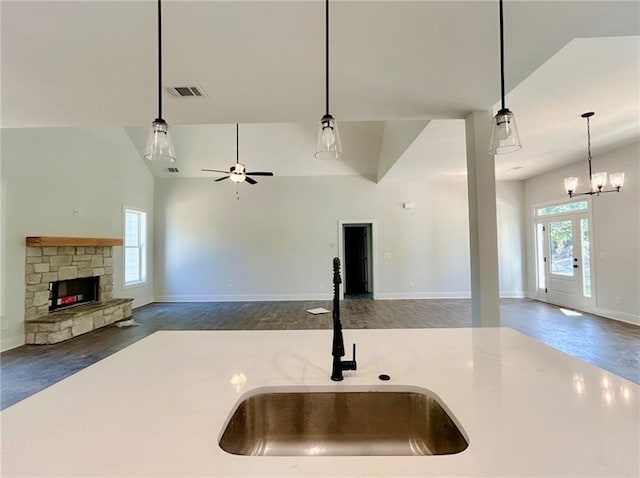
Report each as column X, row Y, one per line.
column 44, row 241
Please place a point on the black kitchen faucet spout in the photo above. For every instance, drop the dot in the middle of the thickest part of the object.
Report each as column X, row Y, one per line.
column 337, row 349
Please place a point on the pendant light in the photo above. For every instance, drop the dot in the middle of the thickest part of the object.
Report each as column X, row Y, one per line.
column 329, row 146
column 504, row 132
column 159, row 145
column 598, row 180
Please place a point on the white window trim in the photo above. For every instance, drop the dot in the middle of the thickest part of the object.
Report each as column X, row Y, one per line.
column 143, row 247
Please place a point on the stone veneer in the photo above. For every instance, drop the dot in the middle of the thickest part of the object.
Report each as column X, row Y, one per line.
column 68, row 323
column 53, row 263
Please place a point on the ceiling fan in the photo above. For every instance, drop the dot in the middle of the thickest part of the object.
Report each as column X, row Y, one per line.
column 238, row 173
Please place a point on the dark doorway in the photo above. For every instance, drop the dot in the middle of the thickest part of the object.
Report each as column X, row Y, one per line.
column 357, row 253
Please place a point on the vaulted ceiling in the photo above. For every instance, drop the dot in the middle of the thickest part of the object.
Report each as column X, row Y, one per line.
column 410, row 70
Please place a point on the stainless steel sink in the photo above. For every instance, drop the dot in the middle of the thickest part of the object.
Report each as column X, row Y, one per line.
column 392, row 423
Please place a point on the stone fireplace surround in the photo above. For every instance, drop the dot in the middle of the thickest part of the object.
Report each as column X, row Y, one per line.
column 50, row 259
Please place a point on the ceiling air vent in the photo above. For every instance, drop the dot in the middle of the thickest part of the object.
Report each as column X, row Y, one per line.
column 172, row 170
column 186, row 91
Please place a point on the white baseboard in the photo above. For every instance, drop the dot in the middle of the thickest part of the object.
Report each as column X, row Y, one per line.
column 9, row 343
column 242, row 297
column 609, row 314
column 616, row 315
column 422, row 295
column 325, row 296
column 140, row 302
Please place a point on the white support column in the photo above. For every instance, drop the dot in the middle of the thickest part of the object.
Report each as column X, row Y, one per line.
column 483, row 229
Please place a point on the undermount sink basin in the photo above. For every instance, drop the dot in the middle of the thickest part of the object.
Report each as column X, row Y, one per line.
column 354, row 423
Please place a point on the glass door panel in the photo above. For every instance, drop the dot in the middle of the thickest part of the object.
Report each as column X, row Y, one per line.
column 586, row 257
column 540, row 257
column 561, row 245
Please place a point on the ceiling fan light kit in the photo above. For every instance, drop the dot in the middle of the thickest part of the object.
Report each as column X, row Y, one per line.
column 238, row 172
column 504, row 132
column 159, row 145
column 329, row 145
column 598, row 180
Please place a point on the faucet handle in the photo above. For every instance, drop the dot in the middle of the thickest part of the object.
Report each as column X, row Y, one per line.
column 350, row 364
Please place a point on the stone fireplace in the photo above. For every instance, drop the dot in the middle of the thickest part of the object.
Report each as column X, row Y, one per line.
column 69, row 288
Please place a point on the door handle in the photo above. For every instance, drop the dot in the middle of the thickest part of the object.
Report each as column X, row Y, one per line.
column 575, row 266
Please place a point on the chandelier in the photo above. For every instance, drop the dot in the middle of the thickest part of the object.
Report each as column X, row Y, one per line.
column 599, row 179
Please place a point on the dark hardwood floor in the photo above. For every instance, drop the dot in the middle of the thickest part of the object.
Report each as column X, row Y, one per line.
column 609, row 344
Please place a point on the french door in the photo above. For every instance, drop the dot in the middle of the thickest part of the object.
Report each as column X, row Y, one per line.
column 564, row 260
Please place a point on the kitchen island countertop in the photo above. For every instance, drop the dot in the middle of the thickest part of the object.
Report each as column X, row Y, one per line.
column 158, row 407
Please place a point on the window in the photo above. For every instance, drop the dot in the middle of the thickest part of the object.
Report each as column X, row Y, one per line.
column 560, row 208
column 135, row 238
column 586, row 257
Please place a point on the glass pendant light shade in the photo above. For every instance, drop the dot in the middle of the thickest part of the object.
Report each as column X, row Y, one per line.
column 504, row 133
column 159, row 144
column 329, row 145
column 617, row 180
column 570, row 184
column 598, row 180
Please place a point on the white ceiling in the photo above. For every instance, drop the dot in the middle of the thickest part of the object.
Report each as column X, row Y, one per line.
column 93, row 63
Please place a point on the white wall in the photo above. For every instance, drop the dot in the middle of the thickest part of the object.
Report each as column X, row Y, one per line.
column 48, row 172
column 616, row 230
column 278, row 240
column 511, row 228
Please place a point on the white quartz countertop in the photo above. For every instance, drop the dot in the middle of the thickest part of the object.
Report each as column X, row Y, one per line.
column 158, row 407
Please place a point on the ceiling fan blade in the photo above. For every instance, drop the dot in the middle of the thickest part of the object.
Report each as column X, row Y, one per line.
column 250, row 181
column 222, row 178
column 260, row 173
column 215, row 171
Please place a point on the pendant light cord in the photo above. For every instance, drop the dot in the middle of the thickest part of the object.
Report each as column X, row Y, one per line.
column 159, row 60
column 502, row 55
column 237, row 144
column 589, row 148
column 327, row 54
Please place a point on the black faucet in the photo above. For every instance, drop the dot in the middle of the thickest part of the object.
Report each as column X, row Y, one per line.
column 337, row 349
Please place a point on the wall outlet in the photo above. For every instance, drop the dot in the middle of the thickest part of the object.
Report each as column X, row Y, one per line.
column 386, row 255
column 230, row 285
column 618, row 300
column 76, row 211
column 321, row 286
column 412, row 285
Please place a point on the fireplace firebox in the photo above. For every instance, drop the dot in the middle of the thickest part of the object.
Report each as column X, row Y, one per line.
column 69, row 293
